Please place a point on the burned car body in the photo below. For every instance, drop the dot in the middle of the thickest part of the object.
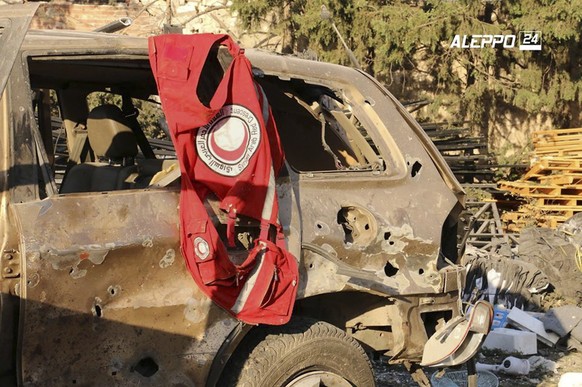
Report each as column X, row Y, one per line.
column 94, row 287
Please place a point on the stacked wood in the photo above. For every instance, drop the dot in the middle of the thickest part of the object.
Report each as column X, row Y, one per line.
column 552, row 187
column 558, row 143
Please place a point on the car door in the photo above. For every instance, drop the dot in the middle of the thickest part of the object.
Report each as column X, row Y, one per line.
column 106, row 287
column 105, row 295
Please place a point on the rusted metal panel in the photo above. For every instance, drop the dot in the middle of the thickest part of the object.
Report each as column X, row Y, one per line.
column 402, row 253
column 107, row 288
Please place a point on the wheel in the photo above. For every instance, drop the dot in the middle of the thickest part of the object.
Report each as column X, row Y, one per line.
column 304, row 352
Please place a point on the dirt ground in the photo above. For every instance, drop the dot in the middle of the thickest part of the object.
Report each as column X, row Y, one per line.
column 387, row 375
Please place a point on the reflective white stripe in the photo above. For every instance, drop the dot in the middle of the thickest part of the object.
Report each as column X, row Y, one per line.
column 262, row 97
column 265, row 106
column 269, row 197
column 248, row 286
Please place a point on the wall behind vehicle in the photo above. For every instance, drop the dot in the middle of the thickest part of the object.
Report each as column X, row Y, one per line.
column 149, row 18
column 87, row 17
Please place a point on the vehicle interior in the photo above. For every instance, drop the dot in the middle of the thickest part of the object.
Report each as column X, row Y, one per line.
column 103, row 129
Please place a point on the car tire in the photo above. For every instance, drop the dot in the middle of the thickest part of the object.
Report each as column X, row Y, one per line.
column 300, row 353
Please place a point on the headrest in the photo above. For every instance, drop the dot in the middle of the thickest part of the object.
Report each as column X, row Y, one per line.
column 109, row 134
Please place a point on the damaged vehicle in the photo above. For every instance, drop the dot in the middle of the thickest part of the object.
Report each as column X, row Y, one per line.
column 94, row 289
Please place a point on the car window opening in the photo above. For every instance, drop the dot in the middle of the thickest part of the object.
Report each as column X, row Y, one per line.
column 318, row 129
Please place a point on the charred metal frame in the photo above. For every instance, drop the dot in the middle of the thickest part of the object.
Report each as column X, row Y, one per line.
column 92, row 269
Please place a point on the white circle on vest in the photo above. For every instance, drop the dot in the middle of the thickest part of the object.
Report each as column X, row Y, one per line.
column 227, row 143
column 201, row 248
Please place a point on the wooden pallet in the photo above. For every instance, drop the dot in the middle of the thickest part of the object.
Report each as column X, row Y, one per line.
column 556, row 132
column 557, row 138
column 567, row 178
column 553, row 165
column 561, row 163
column 574, row 143
column 553, row 184
column 518, row 225
column 557, row 201
column 528, row 189
column 515, row 221
column 573, row 152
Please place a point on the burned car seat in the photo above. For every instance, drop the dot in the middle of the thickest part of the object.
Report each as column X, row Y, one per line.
column 115, row 148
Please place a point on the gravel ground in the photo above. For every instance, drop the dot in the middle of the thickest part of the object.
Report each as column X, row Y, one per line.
column 389, row 376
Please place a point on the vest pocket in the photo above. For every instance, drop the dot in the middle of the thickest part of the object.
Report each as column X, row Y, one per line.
column 175, row 63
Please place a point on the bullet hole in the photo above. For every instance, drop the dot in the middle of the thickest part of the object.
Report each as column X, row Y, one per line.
column 146, row 367
column 113, row 373
column 421, row 271
column 113, row 290
column 74, row 381
column 416, row 167
column 97, row 311
column 387, row 236
column 342, row 219
column 311, row 265
column 321, row 228
column 33, row 280
column 358, row 224
column 390, row 270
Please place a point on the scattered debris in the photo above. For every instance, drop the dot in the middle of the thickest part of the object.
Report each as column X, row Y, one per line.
column 571, row 379
column 446, row 378
column 501, row 280
column 514, row 366
column 542, row 364
column 511, row 365
column 512, row 341
column 523, row 273
column 575, row 339
column 500, row 313
column 562, row 320
column 524, row 321
column 553, row 252
column 485, row 230
column 545, row 370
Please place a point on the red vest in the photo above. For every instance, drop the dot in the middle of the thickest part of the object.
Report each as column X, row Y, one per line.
column 230, row 148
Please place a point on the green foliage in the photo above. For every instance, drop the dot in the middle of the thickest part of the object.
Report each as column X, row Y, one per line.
column 405, row 39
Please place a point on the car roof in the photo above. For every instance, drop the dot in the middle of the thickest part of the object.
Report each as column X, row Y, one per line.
column 63, row 39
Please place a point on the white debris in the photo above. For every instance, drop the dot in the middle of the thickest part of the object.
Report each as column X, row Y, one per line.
column 542, row 364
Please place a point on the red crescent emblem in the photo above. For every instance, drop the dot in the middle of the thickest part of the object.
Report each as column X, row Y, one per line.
column 228, row 142
column 229, row 155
